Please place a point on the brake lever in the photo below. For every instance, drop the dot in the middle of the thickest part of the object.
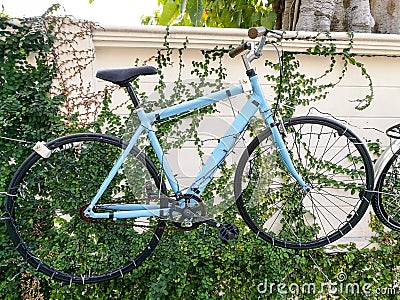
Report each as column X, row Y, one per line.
column 275, row 34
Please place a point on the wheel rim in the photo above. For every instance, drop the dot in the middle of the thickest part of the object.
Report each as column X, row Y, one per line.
column 279, row 210
column 50, row 233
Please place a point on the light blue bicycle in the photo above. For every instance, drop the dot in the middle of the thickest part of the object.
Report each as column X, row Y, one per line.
column 90, row 207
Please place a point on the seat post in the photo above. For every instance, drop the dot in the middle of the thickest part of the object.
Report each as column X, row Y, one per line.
column 132, row 95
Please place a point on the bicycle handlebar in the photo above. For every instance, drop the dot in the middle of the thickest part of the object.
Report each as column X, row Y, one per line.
column 253, row 33
column 256, row 32
column 239, row 49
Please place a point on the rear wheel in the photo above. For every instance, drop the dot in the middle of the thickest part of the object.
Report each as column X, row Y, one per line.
column 334, row 164
column 48, row 195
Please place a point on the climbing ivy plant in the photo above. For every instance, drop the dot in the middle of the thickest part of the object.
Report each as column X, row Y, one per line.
column 185, row 265
column 26, row 111
column 296, row 88
column 27, row 114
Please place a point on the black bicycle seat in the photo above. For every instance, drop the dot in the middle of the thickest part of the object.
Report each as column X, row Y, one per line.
column 123, row 76
column 394, row 131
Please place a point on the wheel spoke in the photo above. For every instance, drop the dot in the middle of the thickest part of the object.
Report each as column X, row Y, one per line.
column 46, row 211
column 330, row 159
column 387, row 202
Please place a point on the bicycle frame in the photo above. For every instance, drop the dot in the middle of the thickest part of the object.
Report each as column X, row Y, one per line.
column 256, row 102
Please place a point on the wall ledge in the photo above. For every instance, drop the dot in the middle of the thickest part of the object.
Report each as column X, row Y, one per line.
column 207, row 38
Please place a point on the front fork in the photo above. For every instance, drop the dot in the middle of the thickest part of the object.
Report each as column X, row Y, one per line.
column 284, row 154
column 276, row 135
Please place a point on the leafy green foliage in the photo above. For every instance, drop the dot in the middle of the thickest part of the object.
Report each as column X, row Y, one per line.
column 214, row 13
column 195, row 10
column 170, row 9
column 27, row 112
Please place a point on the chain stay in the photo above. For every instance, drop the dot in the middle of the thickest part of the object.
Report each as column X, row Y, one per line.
column 97, row 221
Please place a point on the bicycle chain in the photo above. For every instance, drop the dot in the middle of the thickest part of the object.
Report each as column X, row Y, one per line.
column 96, row 221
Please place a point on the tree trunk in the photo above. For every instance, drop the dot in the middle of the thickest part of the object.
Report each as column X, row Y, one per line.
column 287, row 19
column 339, row 21
column 330, row 15
column 278, row 7
column 358, row 15
column 387, row 16
column 316, row 15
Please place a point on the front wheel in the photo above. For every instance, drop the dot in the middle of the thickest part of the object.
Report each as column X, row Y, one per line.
column 334, row 164
column 47, row 197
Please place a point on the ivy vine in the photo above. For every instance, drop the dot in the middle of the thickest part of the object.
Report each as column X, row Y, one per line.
column 297, row 88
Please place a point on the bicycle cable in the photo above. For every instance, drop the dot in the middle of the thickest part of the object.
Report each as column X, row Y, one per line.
column 341, row 120
column 280, row 62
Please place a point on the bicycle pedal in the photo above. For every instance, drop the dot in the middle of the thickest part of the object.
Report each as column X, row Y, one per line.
column 228, row 232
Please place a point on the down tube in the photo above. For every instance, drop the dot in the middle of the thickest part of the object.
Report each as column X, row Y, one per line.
column 225, row 144
column 179, row 109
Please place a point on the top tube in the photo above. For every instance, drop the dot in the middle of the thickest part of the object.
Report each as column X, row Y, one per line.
column 194, row 104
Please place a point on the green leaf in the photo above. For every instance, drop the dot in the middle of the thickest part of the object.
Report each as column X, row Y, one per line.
column 269, row 19
column 169, row 9
column 195, row 10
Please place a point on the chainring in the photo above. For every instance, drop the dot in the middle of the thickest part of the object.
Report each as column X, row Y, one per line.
column 188, row 213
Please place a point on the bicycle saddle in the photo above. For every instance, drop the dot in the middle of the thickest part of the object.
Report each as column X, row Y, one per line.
column 123, row 76
column 394, row 131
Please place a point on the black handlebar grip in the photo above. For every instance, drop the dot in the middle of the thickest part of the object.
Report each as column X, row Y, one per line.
column 239, row 49
column 255, row 32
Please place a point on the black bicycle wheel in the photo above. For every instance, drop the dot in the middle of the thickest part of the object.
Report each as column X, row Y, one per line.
column 47, row 196
column 386, row 202
column 334, row 164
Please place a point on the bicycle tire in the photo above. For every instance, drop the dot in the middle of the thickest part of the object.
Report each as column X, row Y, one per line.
column 386, row 203
column 46, row 196
column 340, row 178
